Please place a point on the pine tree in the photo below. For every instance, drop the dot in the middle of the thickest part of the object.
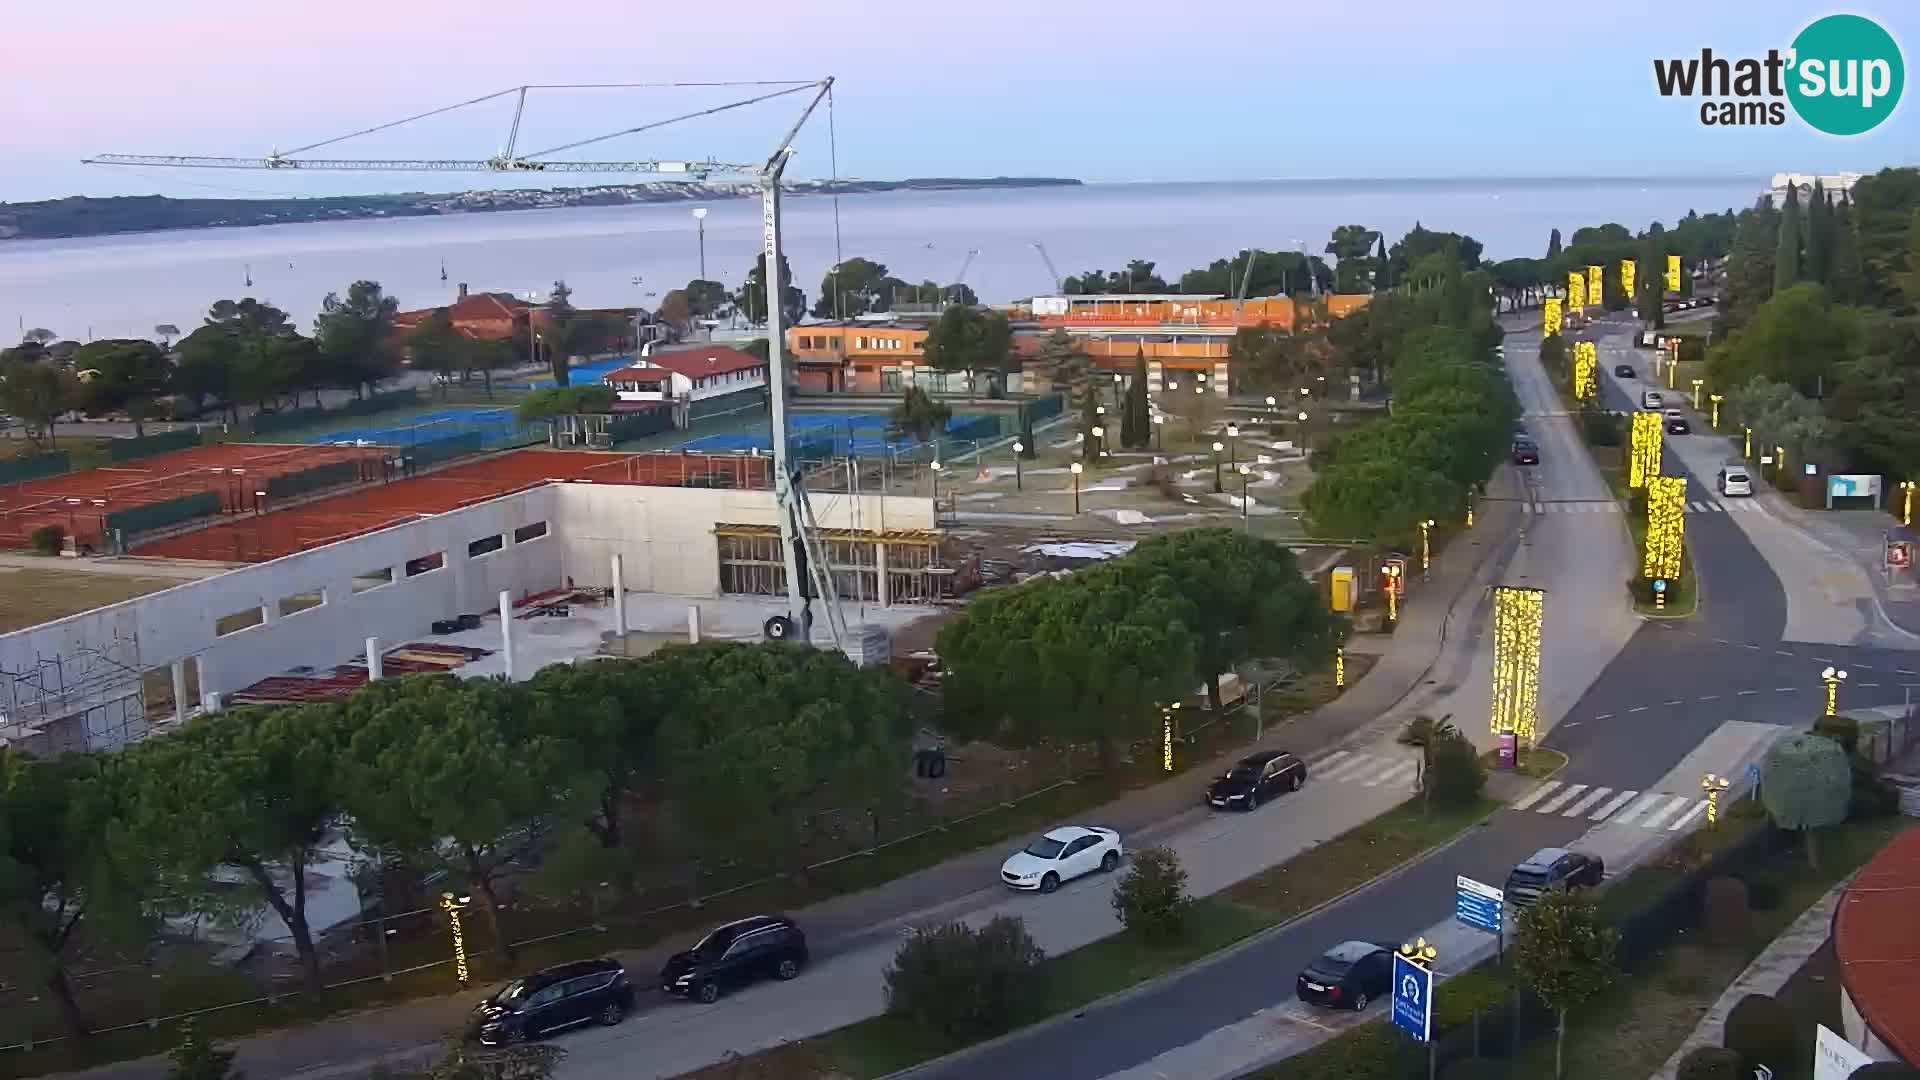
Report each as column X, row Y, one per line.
column 1139, row 413
column 1553, row 245
column 1845, row 278
column 1786, row 256
column 1749, row 275
column 1819, row 238
column 1382, row 272
column 1651, row 275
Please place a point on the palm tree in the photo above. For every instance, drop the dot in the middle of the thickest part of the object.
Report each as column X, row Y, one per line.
column 1425, row 733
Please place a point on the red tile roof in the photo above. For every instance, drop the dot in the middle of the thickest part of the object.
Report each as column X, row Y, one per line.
column 704, row 361
column 637, row 373
column 1873, row 940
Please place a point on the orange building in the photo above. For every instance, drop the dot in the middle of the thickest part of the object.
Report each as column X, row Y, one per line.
column 1178, row 334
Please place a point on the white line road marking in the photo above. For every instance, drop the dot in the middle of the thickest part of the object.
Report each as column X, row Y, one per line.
column 1553, row 805
column 1327, row 762
column 1611, row 805
column 1352, row 768
column 1754, row 647
column 1781, row 652
column 1604, row 716
column 1399, row 774
column 1675, row 701
column 1654, row 819
column 1638, row 708
column 1721, row 641
column 1785, row 689
column 1637, row 809
column 1746, row 693
column 1904, row 671
column 1536, row 795
column 1586, row 802
column 1710, row 697
column 1681, row 821
column 1823, row 660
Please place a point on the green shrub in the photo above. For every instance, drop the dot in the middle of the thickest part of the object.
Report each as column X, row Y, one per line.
column 1724, row 910
column 48, row 539
column 1151, row 898
column 1372, row 1051
column 1475, row 1068
column 1871, row 797
column 1600, row 428
column 967, row 984
column 1481, row 989
column 1456, row 776
column 1760, row 1029
column 1764, row 892
column 1844, row 730
column 1710, row 1063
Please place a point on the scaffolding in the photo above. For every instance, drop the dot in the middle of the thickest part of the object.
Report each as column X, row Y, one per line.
column 914, row 566
column 93, row 698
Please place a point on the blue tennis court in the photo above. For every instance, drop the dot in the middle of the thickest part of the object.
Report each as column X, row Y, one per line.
column 839, row 434
column 585, row 375
column 490, row 424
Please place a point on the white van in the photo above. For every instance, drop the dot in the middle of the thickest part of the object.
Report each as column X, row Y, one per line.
column 1734, row 480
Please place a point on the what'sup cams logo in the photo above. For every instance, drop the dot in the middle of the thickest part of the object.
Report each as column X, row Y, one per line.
column 1843, row 75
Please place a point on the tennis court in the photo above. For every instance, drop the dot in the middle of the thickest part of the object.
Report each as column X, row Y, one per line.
column 231, row 472
column 585, row 375
column 861, row 434
column 323, row 521
column 494, row 427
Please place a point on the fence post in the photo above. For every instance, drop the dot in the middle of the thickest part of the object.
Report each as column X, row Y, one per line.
column 386, row 961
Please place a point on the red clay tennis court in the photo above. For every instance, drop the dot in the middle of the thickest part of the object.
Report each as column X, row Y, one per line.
column 284, row 532
column 79, row 501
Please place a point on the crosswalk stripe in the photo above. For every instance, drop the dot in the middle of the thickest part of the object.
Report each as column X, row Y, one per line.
column 1398, row 774
column 1586, row 803
column 1698, row 507
column 1536, row 794
column 1351, row 769
column 1681, row 821
column 1326, row 763
column 1637, row 809
column 1611, row 805
column 1654, row 819
column 1553, row 805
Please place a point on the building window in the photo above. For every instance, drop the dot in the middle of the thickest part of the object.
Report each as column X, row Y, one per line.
column 426, row 564
column 486, row 545
column 529, row 532
column 890, row 379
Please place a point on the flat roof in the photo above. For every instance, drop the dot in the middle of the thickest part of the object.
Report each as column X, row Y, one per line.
column 1874, row 943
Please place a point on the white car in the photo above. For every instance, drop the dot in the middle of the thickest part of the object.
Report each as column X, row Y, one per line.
column 1651, row 400
column 1062, row 855
column 1734, row 480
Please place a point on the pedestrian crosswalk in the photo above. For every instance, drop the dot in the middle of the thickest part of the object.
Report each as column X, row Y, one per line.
column 1613, row 806
column 1702, row 506
column 1368, row 770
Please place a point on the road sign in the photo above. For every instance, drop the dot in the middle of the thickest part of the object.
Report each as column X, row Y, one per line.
column 1412, row 998
column 1478, row 905
column 1753, row 772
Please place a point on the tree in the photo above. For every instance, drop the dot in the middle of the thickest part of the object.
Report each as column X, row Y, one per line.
column 1819, row 235
column 1151, row 898
column 195, row 1057
column 970, row 340
column 676, row 311
column 1908, row 280
column 258, row 791
column 465, row 1060
column 1750, row 267
column 966, row 984
column 488, row 355
column 356, row 338
column 38, row 392
column 918, row 415
column 1455, row 777
column 1244, row 599
column 1378, row 500
column 752, row 297
column 1553, row 245
column 1883, row 209
column 1382, row 266
column 1805, row 782
column 856, row 287
column 1136, row 428
column 612, row 710
column 455, row 772
column 706, row 298
column 38, row 336
column 1795, row 338
column 1351, row 245
column 1564, row 950
column 561, row 317
column 1266, row 357
column 1786, row 255
column 1425, row 733
column 1138, row 277
column 1846, row 279
column 61, row 864
column 436, row 346
column 1760, row 1028
column 129, row 375
column 1069, row 369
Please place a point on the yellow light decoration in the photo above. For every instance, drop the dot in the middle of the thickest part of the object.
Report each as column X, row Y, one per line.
column 1644, row 459
column 1550, row 317
column 1420, row 952
column 1673, row 273
column 1906, row 503
column 1626, row 278
column 1666, row 527
column 1339, row 667
column 1712, row 785
column 1576, row 290
column 1716, row 399
column 1517, row 615
column 1166, row 742
column 1596, row 289
column 450, row 904
column 1586, row 370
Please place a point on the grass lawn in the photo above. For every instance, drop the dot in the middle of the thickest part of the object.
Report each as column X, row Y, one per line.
column 1538, row 763
column 31, row 596
column 1683, row 593
column 886, row 1044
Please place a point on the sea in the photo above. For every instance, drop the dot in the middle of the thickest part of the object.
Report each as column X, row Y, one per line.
column 124, row 286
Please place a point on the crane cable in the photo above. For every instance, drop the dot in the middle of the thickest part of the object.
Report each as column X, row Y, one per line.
column 673, row 120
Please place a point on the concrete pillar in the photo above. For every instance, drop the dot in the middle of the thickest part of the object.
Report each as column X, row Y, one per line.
column 880, row 574
column 619, row 596
column 1156, row 380
column 375, row 669
column 693, row 624
column 506, row 630
column 180, row 691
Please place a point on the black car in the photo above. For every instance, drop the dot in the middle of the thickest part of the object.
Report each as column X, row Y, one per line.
column 1549, row 867
column 734, row 955
column 1677, row 422
column 1525, row 452
column 554, row 999
column 1257, row 777
column 1624, row 371
column 1351, row 974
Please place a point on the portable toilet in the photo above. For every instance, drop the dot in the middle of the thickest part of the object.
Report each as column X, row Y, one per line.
column 1340, row 583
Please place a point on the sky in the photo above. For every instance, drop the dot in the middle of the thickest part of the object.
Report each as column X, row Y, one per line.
column 1121, row 90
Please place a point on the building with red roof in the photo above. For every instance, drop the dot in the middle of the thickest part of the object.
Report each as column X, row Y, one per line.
column 1878, row 953
column 691, row 374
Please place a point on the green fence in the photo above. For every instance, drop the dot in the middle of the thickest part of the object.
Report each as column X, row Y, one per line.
column 21, row 469
column 640, row 425
column 1046, row 408
column 138, row 519
column 421, row 455
column 737, row 401
column 148, row 446
column 332, row 474
column 289, row 419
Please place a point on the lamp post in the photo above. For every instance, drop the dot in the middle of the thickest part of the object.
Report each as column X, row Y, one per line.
column 1272, row 404
column 453, row 906
column 1304, row 441
column 1906, row 503
column 1833, row 677
column 1697, row 384
column 1420, row 952
column 1233, row 444
column 1217, row 448
column 1076, row 468
column 1018, row 449
column 1392, row 571
column 1159, row 424
column 1779, row 461
column 1169, row 734
column 1711, row 785
column 936, row 487
column 700, row 221
column 1716, row 399
column 1426, row 547
column 1748, row 453
column 1098, row 433
column 1246, row 479
column 1339, row 666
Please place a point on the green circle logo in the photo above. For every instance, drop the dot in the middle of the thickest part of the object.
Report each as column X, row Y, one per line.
column 1846, row 74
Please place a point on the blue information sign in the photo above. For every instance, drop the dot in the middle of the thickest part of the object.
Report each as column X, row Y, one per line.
column 1477, row 905
column 1412, row 998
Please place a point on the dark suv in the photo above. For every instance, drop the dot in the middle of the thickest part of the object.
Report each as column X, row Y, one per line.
column 1549, row 867
column 554, row 999
column 734, row 955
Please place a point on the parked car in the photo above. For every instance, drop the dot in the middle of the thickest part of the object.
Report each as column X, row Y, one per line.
column 1651, row 400
column 1525, row 452
column 1549, row 867
column 1256, row 778
column 1347, row 976
column 1677, row 422
column 1060, row 856
column 1734, row 480
column 733, row 955
column 1624, row 371
column 554, row 999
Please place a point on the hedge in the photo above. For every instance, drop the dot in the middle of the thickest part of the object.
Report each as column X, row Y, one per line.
column 21, row 469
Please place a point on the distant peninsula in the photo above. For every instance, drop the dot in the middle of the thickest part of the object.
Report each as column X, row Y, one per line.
column 87, row 216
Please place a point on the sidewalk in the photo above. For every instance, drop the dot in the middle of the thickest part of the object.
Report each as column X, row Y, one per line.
column 842, row 927
column 1861, row 536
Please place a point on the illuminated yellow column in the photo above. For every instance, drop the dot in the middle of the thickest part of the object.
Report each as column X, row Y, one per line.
column 1596, row 288
column 1666, row 525
column 1644, row 452
column 1517, row 616
column 1673, row 273
column 1576, row 290
column 1626, row 278
column 1550, row 317
column 1906, row 503
column 453, row 905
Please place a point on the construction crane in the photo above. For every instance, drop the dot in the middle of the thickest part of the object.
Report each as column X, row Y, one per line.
column 809, row 576
column 1059, row 286
column 960, row 279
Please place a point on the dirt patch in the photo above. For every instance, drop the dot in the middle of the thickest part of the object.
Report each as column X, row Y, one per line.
column 30, row 596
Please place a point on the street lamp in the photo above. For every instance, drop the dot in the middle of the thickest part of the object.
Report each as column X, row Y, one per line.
column 1098, row 433
column 1749, row 446
column 1779, row 461
column 1716, row 399
column 1906, row 503
column 1711, row 786
column 1018, row 449
column 700, row 219
column 1159, row 424
column 1426, row 549
column 1076, row 469
column 1217, row 447
column 1339, row 666
column 453, row 906
column 1833, row 677
column 1233, row 444
column 936, row 487
column 1420, row 952
column 1246, row 478
column 1392, row 571
column 1697, row 384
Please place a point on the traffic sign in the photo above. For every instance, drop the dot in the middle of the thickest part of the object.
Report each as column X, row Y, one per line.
column 1478, row 905
column 1412, row 998
column 1753, row 772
